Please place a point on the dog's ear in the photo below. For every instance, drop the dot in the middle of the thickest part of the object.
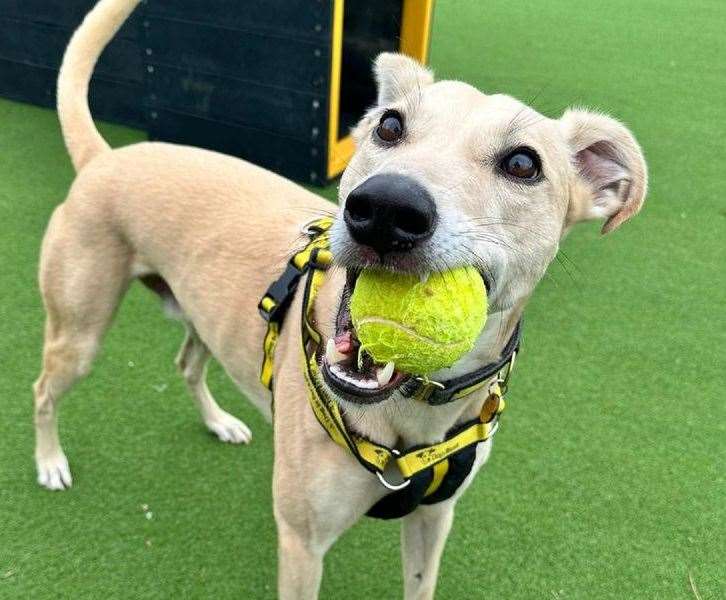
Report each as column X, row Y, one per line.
column 397, row 75
column 612, row 177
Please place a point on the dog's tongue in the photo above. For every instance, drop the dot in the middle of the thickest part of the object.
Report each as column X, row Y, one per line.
column 344, row 342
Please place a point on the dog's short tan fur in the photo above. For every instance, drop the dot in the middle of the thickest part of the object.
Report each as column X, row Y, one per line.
column 218, row 230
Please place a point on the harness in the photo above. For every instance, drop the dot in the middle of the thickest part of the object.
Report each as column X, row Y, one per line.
column 431, row 473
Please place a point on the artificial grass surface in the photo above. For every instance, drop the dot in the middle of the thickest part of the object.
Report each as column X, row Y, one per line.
column 607, row 478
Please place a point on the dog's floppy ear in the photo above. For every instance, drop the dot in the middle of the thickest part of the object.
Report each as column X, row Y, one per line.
column 612, row 177
column 397, row 75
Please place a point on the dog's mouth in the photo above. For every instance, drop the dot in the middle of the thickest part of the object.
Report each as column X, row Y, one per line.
column 349, row 370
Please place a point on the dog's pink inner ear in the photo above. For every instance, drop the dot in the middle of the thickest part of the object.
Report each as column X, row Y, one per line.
column 603, row 169
column 612, row 175
column 599, row 164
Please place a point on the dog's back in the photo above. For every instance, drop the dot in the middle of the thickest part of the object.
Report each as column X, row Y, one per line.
column 211, row 229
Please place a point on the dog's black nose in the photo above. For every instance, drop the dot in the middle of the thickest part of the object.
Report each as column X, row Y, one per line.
column 390, row 213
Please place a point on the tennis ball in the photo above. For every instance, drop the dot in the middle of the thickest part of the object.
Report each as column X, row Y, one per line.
column 422, row 326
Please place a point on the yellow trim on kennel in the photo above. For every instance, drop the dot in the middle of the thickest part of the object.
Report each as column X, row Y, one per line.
column 415, row 39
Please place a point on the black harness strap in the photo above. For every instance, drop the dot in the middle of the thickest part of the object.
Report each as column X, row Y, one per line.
column 402, row 502
column 452, row 389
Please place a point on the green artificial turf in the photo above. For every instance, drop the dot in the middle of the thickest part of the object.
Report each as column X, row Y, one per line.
column 607, row 478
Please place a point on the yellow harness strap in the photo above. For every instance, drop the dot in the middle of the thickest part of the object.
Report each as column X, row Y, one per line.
column 275, row 302
column 314, row 260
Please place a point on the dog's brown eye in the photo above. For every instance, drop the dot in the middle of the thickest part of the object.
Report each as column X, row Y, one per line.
column 522, row 163
column 390, row 128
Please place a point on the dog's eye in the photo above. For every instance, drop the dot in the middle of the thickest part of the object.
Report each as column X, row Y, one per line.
column 390, row 127
column 522, row 163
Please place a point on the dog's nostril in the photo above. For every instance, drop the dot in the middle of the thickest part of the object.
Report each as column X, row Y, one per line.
column 359, row 209
column 412, row 221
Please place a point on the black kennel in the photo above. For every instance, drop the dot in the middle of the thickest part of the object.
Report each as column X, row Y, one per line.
column 277, row 82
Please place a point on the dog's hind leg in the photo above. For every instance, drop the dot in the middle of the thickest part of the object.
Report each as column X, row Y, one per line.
column 82, row 282
column 66, row 358
column 192, row 362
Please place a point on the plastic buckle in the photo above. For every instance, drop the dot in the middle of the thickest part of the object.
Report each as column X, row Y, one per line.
column 281, row 292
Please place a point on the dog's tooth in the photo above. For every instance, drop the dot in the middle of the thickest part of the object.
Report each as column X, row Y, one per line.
column 424, row 277
column 384, row 375
column 332, row 355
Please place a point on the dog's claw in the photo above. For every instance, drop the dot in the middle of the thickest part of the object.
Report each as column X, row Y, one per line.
column 229, row 429
column 54, row 473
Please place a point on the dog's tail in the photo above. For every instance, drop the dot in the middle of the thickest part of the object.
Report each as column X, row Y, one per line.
column 98, row 28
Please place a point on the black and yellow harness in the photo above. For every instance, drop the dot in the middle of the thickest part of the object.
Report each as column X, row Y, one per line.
column 430, row 473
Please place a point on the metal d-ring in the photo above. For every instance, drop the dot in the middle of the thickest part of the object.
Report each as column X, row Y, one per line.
column 394, row 487
column 309, row 229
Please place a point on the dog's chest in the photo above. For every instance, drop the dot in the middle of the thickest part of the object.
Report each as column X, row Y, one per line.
column 407, row 422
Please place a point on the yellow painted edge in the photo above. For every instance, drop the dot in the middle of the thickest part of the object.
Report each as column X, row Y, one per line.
column 416, row 28
column 335, row 157
column 339, row 154
column 415, row 41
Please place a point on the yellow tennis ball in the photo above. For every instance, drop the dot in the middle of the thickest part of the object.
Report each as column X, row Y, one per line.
column 422, row 326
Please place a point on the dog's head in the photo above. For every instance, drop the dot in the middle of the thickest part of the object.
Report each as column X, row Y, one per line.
column 445, row 176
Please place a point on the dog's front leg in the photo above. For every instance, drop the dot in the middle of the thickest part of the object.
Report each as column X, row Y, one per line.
column 300, row 563
column 423, row 535
column 315, row 503
column 319, row 491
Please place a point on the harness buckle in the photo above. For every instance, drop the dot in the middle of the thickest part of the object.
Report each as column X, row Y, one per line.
column 280, row 292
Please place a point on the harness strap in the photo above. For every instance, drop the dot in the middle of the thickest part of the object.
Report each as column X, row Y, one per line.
column 314, row 260
column 274, row 304
column 458, row 387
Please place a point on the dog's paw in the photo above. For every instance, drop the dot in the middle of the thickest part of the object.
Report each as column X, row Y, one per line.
column 229, row 429
column 54, row 473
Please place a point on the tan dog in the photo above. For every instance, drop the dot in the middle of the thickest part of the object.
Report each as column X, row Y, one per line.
column 443, row 176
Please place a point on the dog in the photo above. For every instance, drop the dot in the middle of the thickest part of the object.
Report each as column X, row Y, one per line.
column 443, row 176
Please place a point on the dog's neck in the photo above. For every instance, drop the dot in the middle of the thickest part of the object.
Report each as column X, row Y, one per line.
column 408, row 421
